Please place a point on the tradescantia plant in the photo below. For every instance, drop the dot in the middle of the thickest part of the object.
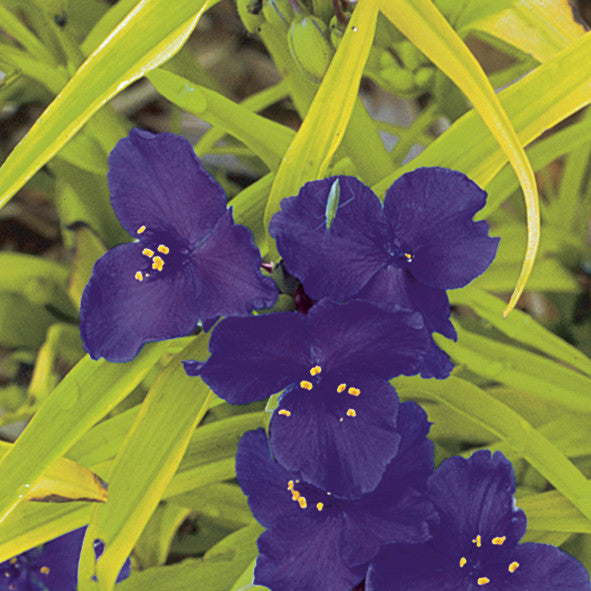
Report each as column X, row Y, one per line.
column 237, row 376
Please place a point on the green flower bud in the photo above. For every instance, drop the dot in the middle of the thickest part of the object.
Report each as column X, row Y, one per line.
column 397, row 81
column 425, row 77
column 251, row 14
column 278, row 12
column 323, row 9
column 309, row 46
column 411, row 57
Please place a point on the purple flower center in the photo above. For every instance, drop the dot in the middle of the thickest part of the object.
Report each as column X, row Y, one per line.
column 310, row 497
column 480, row 565
column 398, row 255
column 165, row 253
column 19, row 571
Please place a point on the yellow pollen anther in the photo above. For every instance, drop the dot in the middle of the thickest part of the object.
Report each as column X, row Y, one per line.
column 499, row 541
column 483, row 581
column 513, row 567
column 44, row 570
column 319, row 506
column 354, row 391
column 139, row 276
column 284, row 412
column 295, row 495
column 341, row 388
column 141, row 229
column 290, row 485
column 6, row 574
column 315, row 370
column 341, row 420
column 13, row 560
column 157, row 263
column 408, row 256
column 302, row 502
column 163, row 249
column 147, row 252
column 305, row 385
column 462, row 562
column 351, row 412
column 478, row 541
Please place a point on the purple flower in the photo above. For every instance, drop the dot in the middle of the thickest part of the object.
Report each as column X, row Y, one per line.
column 336, row 421
column 190, row 260
column 475, row 545
column 339, row 240
column 51, row 567
column 316, row 540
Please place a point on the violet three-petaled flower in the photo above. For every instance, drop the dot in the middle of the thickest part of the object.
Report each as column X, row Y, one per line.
column 315, row 538
column 336, row 421
column 338, row 239
column 51, row 567
column 190, row 262
column 476, row 543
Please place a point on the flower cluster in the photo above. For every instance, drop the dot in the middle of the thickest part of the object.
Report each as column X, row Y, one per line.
column 344, row 483
column 51, row 567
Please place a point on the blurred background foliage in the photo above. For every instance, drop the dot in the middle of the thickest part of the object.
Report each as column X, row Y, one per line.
column 530, row 373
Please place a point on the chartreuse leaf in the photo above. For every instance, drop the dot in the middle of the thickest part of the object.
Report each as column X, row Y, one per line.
column 424, row 25
column 153, row 545
column 535, row 103
column 22, row 324
column 64, row 480
column 521, row 327
column 520, row 369
column 218, row 570
column 551, row 511
column 150, row 34
column 32, row 524
column 148, row 458
column 321, row 132
column 84, row 396
column 541, row 28
column 266, row 138
column 507, row 425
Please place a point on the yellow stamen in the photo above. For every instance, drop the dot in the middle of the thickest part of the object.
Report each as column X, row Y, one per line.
column 462, row 562
column 284, row 412
column 319, row 506
column 513, row 567
column 354, row 391
column 341, row 420
column 44, row 570
column 315, row 370
column 141, row 229
column 147, row 252
column 163, row 249
column 305, row 385
column 341, row 388
column 483, row 581
column 290, row 485
column 157, row 263
column 302, row 502
column 408, row 256
column 499, row 541
column 295, row 495
column 139, row 276
column 351, row 412
column 13, row 560
column 477, row 541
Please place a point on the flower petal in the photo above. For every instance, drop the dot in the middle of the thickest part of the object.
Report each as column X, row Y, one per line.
column 263, row 480
column 254, row 357
column 430, row 211
column 363, row 337
column 303, row 557
column 545, row 568
column 336, row 261
column 119, row 314
column 339, row 442
column 227, row 267
column 157, row 181
column 475, row 497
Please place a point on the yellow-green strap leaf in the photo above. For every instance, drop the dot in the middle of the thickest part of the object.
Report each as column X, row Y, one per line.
column 424, row 25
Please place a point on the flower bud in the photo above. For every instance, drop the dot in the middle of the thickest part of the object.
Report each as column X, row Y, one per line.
column 309, row 46
column 278, row 12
